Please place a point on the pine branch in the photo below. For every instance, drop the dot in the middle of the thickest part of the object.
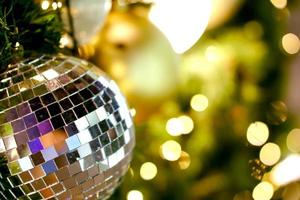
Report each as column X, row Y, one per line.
column 26, row 29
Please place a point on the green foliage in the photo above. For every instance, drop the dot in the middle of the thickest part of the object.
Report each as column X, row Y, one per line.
column 26, row 29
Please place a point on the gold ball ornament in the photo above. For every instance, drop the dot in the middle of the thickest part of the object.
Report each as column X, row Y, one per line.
column 65, row 131
column 137, row 55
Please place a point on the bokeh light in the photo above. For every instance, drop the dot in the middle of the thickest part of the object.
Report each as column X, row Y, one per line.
column 148, row 171
column 270, row 154
column 279, row 3
column 132, row 112
column 287, row 170
column 291, row 43
column 135, row 195
column 174, row 127
column 180, row 125
column 263, row 191
column 292, row 140
column 199, row 102
column 171, row 150
column 187, row 124
column 212, row 53
column 257, row 133
column 184, row 161
column 54, row 6
column 65, row 41
column 17, row 45
column 45, row 5
column 59, row 4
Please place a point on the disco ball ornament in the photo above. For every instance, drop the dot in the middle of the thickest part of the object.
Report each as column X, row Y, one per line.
column 65, row 131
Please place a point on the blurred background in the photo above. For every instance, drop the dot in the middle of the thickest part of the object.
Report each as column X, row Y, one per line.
column 214, row 90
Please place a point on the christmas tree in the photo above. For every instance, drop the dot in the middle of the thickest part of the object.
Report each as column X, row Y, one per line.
column 213, row 122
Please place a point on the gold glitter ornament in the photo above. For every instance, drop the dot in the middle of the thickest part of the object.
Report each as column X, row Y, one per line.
column 138, row 56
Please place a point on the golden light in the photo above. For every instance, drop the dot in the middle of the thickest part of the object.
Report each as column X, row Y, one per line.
column 187, row 124
column 182, row 30
column 171, row 150
column 65, row 41
column 270, row 154
column 291, row 43
column 125, row 31
column 286, row 171
column 45, row 5
column 184, row 161
column 148, row 171
column 132, row 112
column 257, row 133
column 292, row 140
column 174, row 127
column 279, row 3
column 59, row 4
column 263, row 191
column 199, row 102
column 17, row 45
column 212, row 53
column 54, row 6
column 181, row 125
column 134, row 195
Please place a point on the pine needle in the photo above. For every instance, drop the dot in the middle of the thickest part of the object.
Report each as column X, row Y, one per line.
column 26, row 29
